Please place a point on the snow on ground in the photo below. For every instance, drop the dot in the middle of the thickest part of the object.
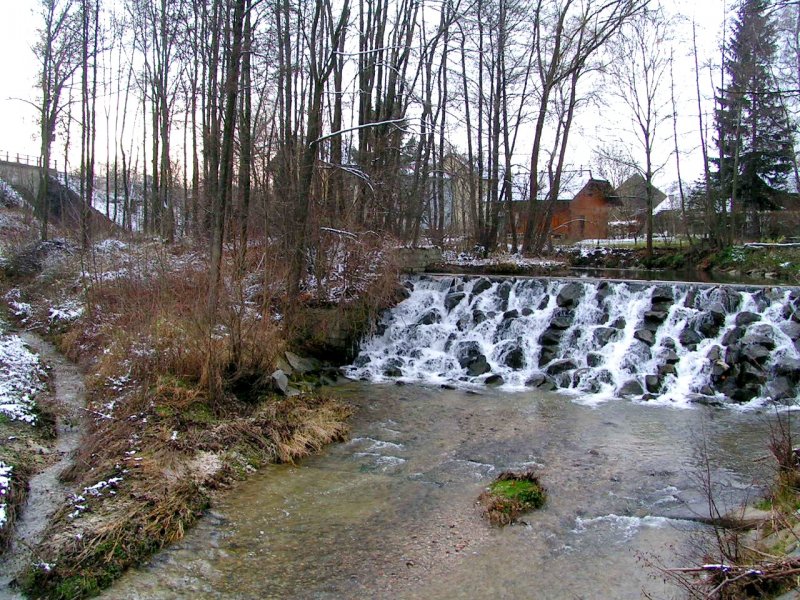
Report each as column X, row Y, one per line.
column 22, row 378
column 5, row 484
column 466, row 259
column 9, row 196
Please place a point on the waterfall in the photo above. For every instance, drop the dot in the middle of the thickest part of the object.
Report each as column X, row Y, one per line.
column 673, row 344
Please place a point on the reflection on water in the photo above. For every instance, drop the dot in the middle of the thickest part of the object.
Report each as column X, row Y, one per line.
column 391, row 513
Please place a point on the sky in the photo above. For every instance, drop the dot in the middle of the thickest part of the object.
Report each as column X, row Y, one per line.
column 594, row 128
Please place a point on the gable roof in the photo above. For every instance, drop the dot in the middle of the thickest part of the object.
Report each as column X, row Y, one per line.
column 601, row 187
column 634, row 189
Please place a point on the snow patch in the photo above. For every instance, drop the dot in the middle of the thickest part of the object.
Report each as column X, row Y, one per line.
column 22, row 379
column 5, row 485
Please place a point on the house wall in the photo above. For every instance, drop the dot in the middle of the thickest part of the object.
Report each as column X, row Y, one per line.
column 589, row 212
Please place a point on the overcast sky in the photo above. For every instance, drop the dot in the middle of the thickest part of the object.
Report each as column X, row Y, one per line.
column 18, row 125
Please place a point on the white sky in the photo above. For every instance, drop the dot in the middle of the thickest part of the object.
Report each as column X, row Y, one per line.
column 18, row 128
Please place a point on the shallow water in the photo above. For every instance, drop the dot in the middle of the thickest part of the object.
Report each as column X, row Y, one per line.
column 391, row 514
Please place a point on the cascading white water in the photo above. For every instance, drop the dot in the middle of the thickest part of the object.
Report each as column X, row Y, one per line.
column 672, row 344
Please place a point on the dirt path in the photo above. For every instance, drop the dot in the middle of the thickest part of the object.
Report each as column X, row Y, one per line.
column 46, row 490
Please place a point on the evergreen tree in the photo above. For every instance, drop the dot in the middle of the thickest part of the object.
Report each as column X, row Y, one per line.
column 754, row 136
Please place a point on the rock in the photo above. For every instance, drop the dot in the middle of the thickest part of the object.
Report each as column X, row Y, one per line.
column 791, row 329
column 503, row 292
column 550, row 337
column 510, row 314
column 719, row 369
column 478, row 316
column 705, row 400
column 408, row 285
column 301, row 364
column 593, row 359
column 663, row 294
column 789, row 367
column 536, row 380
column 283, row 365
column 478, row 367
column 664, row 370
column 494, row 380
column 761, row 335
column 619, row 323
column 603, row 335
column 562, row 319
column 645, row 335
column 604, row 290
column 543, row 303
column 527, row 312
column 744, row 318
column 655, row 316
column 561, row 366
column 630, row 388
column 780, row 388
column 729, row 299
column 708, row 325
column 480, row 286
column 515, row 358
column 546, row 355
column 733, row 336
column 755, row 353
column 280, row 382
column 714, row 353
column 570, row 295
column 652, row 383
column 402, row 293
column 670, row 357
column 431, row 317
column 689, row 338
column 452, row 300
column 467, row 352
column 750, row 373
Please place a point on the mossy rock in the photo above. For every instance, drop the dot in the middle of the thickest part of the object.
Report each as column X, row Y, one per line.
column 510, row 495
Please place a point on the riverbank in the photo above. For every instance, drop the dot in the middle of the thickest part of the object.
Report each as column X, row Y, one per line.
column 174, row 412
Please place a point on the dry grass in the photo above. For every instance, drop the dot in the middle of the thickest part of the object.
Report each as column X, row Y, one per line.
column 510, row 495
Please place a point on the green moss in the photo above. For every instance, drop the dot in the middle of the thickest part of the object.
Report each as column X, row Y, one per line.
column 199, row 413
column 528, row 493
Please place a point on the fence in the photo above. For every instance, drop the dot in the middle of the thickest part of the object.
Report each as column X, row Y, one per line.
column 25, row 159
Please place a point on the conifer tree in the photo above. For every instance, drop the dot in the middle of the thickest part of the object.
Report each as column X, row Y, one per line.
column 754, row 137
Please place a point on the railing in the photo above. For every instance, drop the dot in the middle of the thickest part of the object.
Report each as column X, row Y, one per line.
column 25, row 159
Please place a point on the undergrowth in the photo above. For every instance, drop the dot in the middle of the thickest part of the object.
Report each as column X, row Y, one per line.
column 510, row 495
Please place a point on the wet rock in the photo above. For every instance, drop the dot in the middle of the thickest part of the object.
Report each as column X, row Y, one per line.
column 645, row 335
column 729, row 299
column 750, row 373
column 494, row 380
column 604, row 290
column 361, row 360
column 755, row 353
column 603, row 335
column 663, row 293
column 714, row 353
column 503, row 292
column 762, row 334
column 711, row 320
column 670, row 357
column 510, row 314
column 527, row 312
column 744, row 318
column 562, row 319
column 478, row 367
column 561, row 366
column 719, row 370
column 515, row 358
column 791, row 329
column 570, row 295
column 630, row 388
column 656, row 317
column 543, row 303
column 789, row 367
column 619, row 323
column 664, row 370
column 408, row 285
column 478, row 316
column 402, row 293
column 542, row 382
column 301, row 364
column 705, row 400
column 593, row 359
column 392, row 368
column 481, row 286
column 452, row 300
column 733, row 336
column 546, row 355
column 689, row 338
column 431, row 317
column 652, row 383
column 780, row 388
column 550, row 337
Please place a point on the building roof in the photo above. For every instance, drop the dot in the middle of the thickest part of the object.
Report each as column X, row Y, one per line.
column 634, row 189
column 601, row 186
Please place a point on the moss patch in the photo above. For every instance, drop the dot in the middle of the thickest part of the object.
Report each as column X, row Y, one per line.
column 510, row 495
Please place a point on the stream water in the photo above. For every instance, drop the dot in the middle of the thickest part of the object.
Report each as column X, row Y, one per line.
column 391, row 513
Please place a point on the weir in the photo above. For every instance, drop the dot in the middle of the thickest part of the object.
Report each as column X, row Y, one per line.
column 667, row 343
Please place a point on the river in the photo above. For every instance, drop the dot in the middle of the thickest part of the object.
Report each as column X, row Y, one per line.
column 391, row 513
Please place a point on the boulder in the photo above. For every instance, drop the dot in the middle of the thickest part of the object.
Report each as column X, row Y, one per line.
column 619, row 323
column 302, row 364
column 664, row 370
column 789, row 367
column 593, row 359
column 392, row 368
column 466, row 352
column 755, row 353
column 791, row 329
column 503, row 292
column 561, row 366
column 603, row 335
column 542, row 382
column 780, row 388
column 543, row 303
column 546, row 355
column 604, row 290
column 480, row 286
column 527, row 311
column 670, row 357
column 663, row 293
column 689, row 338
column 652, row 383
column 550, row 337
column 515, row 358
column 733, row 336
column 562, row 319
column 280, row 382
column 744, row 318
column 719, row 370
column 494, row 380
column 655, row 316
column 478, row 316
column 645, row 335
column 570, row 295
column 431, row 317
column 705, row 400
column 750, row 373
column 478, row 367
column 452, row 300
column 630, row 388
column 714, row 353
